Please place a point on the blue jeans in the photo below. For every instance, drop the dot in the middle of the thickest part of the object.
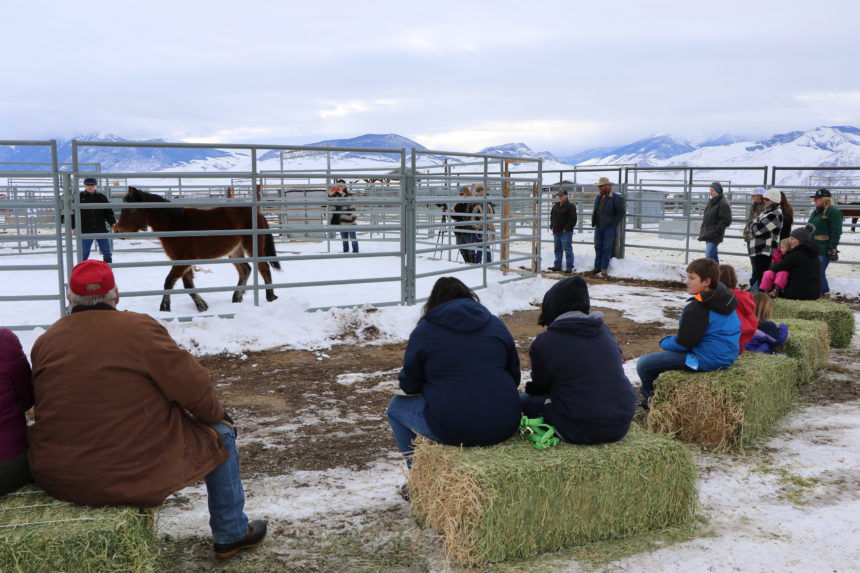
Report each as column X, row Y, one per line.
column 711, row 252
column 406, row 418
column 87, row 245
column 227, row 517
column 650, row 366
column 563, row 244
column 349, row 235
column 603, row 241
column 825, row 261
column 479, row 251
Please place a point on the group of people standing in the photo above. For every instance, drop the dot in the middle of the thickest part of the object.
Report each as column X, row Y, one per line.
column 473, row 225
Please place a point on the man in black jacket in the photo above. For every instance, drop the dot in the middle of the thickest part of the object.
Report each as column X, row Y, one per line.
column 562, row 219
column 95, row 220
column 715, row 220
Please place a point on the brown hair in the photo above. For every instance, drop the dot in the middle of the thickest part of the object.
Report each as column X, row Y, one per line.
column 763, row 306
column 705, row 269
column 445, row 289
column 785, row 207
column 728, row 276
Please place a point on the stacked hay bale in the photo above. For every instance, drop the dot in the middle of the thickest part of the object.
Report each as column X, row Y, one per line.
column 39, row 533
column 809, row 344
column 839, row 318
column 512, row 501
column 725, row 409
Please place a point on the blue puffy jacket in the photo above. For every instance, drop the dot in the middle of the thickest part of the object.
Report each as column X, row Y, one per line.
column 765, row 343
column 709, row 330
column 464, row 361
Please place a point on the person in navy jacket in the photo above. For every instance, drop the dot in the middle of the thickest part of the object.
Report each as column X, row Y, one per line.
column 16, row 397
column 708, row 334
column 460, row 373
column 588, row 400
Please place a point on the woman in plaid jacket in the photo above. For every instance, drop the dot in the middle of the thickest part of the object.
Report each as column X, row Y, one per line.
column 764, row 235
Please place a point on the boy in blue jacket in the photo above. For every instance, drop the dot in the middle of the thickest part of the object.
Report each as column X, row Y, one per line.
column 708, row 334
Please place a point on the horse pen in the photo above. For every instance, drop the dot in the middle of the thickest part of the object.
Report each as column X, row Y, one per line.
column 307, row 375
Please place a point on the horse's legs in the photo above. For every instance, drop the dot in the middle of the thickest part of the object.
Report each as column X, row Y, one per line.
column 188, row 282
column 244, row 270
column 169, row 281
column 266, row 272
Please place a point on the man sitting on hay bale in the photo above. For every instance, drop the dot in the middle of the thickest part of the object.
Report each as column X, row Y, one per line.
column 124, row 416
column 708, row 334
column 588, row 400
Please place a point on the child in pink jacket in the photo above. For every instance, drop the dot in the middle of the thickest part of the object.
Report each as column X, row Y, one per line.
column 16, row 397
column 772, row 283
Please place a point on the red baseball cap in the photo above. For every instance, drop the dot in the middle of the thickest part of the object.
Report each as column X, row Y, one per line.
column 93, row 274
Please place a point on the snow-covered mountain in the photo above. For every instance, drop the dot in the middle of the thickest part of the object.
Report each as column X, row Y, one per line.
column 518, row 150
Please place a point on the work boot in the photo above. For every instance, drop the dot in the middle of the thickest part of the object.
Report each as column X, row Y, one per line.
column 256, row 533
column 405, row 493
column 108, row 260
column 553, row 269
column 568, row 271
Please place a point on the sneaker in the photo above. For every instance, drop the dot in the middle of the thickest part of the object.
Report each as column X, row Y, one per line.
column 405, row 493
column 774, row 293
column 256, row 533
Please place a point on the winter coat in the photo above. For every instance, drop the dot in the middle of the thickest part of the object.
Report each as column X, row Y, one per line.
column 464, row 361
column 776, row 257
column 462, row 214
column 764, row 231
column 709, row 330
column 481, row 217
column 828, row 227
column 611, row 213
column 766, row 342
column 562, row 217
column 122, row 413
column 715, row 220
column 94, row 220
column 746, row 314
column 804, row 272
column 755, row 211
column 578, row 363
column 16, row 396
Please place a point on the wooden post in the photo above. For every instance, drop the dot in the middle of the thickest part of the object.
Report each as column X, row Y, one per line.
column 506, row 193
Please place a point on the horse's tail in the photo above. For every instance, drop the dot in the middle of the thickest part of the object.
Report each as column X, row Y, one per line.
column 268, row 242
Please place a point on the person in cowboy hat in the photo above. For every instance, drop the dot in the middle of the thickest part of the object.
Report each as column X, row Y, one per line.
column 609, row 210
column 129, row 417
column 95, row 220
column 826, row 220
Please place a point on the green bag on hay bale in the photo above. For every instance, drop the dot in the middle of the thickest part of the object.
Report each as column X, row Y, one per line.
column 839, row 318
column 540, row 434
column 725, row 409
column 809, row 344
column 509, row 501
column 39, row 533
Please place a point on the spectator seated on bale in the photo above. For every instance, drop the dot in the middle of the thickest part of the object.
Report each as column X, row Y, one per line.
column 768, row 335
column 588, row 399
column 126, row 417
column 746, row 305
column 16, row 397
column 460, row 373
column 708, row 333
column 803, row 267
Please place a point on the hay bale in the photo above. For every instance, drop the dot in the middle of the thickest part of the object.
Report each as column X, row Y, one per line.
column 725, row 409
column 809, row 344
column 39, row 533
column 839, row 318
column 512, row 501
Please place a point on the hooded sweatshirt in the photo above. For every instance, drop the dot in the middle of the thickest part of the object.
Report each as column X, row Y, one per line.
column 709, row 330
column 464, row 361
column 577, row 362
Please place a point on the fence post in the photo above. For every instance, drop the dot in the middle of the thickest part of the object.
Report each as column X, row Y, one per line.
column 407, row 228
column 255, row 198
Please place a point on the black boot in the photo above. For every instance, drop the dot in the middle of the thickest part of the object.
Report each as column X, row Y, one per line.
column 256, row 533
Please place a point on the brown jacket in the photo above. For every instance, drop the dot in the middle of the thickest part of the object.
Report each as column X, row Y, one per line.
column 113, row 397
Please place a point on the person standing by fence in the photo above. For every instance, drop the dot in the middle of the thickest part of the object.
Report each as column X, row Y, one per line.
column 461, row 215
column 562, row 219
column 95, row 221
column 826, row 221
column 609, row 209
column 715, row 220
column 764, row 231
column 483, row 213
column 344, row 214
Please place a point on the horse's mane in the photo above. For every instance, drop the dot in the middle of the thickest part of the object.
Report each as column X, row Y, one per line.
column 147, row 197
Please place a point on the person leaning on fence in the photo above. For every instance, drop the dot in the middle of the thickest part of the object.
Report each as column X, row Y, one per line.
column 562, row 219
column 709, row 330
column 715, row 220
column 16, row 397
column 463, row 235
column 746, row 305
column 588, row 400
column 764, row 236
column 460, row 373
column 609, row 209
column 95, row 221
column 826, row 220
column 483, row 214
column 803, row 267
column 129, row 417
column 344, row 214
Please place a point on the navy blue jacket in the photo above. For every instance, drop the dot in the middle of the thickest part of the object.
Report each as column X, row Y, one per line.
column 578, row 363
column 464, row 361
column 612, row 212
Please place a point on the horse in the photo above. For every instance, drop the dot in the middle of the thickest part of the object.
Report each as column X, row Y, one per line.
column 136, row 219
column 853, row 212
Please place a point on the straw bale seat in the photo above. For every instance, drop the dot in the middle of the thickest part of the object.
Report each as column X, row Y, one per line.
column 839, row 318
column 512, row 501
column 809, row 344
column 39, row 533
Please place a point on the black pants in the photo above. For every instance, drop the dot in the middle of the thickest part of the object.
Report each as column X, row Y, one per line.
column 14, row 473
column 760, row 263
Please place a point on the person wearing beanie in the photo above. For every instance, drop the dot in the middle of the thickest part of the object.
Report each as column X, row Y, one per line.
column 826, row 221
column 95, row 221
column 130, row 417
column 803, row 267
column 562, row 219
column 764, row 233
column 16, row 397
column 589, row 399
column 715, row 220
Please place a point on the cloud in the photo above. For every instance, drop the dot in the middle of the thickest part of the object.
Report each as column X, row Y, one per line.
column 845, row 97
column 229, row 135
column 353, row 107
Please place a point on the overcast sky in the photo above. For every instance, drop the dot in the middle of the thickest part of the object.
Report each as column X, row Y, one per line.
column 559, row 76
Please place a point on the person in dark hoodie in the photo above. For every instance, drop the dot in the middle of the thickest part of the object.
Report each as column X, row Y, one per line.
column 588, row 400
column 803, row 266
column 715, row 220
column 460, row 373
column 708, row 334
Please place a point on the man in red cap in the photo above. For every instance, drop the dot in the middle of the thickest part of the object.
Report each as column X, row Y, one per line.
column 128, row 417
